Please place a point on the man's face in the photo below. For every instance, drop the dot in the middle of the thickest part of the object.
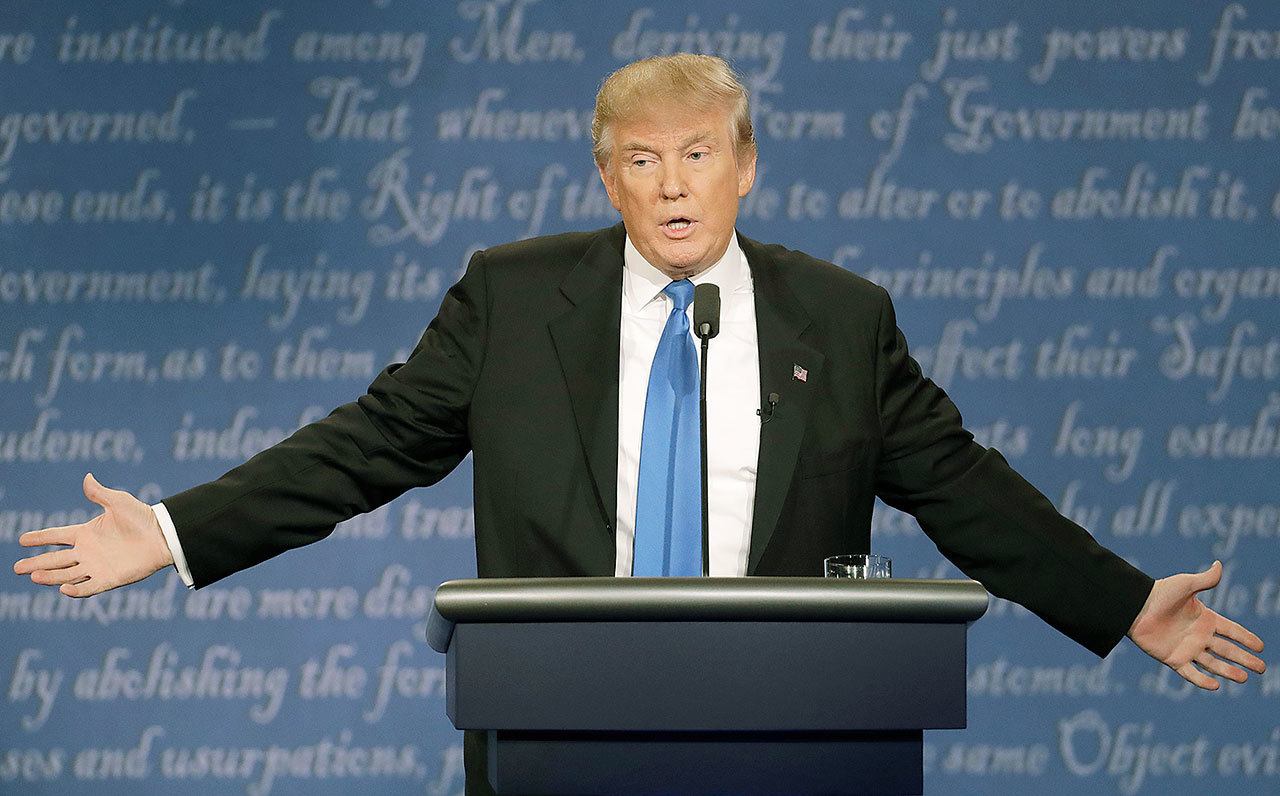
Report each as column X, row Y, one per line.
column 675, row 177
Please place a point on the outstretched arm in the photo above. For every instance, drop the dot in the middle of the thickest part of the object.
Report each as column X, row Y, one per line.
column 122, row 545
column 988, row 520
column 1178, row 630
column 409, row 429
column 1001, row 531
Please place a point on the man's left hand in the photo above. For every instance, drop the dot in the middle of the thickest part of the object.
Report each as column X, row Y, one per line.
column 1178, row 630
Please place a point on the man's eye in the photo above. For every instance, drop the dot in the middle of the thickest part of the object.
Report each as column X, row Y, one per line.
column 639, row 162
column 698, row 155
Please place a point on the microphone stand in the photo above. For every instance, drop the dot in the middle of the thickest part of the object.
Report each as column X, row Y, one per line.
column 706, row 321
column 702, row 421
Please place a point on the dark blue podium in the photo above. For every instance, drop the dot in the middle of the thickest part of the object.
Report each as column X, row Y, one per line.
column 705, row 685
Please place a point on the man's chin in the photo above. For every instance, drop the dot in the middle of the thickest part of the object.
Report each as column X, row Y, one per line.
column 683, row 270
column 682, row 262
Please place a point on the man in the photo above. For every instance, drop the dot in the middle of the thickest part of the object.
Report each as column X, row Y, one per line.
column 541, row 359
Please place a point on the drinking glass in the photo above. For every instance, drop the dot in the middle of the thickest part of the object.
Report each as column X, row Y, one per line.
column 858, row 565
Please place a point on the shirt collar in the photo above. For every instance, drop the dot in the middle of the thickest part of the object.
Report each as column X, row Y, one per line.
column 642, row 282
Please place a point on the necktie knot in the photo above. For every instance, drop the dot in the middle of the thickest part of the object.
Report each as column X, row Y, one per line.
column 681, row 294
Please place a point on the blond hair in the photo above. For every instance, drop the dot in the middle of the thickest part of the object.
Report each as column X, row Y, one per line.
column 699, row 82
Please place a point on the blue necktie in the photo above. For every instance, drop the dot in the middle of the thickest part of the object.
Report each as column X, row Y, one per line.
column 669, row 492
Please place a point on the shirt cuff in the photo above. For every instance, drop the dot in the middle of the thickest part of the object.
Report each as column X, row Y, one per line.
column 175, row 547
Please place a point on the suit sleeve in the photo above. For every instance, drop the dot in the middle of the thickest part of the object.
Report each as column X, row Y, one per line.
column 985, row 518
column 409, row 429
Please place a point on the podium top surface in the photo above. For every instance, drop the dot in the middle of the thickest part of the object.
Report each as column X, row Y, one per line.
column 754, row 599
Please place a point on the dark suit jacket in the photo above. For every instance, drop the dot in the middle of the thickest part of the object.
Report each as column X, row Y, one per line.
column 521, row 367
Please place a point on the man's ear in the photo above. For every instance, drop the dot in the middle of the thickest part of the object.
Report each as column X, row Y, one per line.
column 606, row 177
column 746, row 175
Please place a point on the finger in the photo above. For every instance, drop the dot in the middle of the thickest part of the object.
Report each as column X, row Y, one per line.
column 56, row 577
column 1194, row 676
column 59, row 534
column 1238, row 633
column 1221, row 667
column 84, row 588
column 54, row 559
column 1225, row 649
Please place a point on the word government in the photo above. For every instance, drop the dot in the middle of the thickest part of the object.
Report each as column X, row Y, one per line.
column 55, row 286
column 979, row 126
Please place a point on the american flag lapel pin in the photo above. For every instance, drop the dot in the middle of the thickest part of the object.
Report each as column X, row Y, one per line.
column 799, row 373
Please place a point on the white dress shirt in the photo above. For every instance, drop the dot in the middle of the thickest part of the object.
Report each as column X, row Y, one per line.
column 733, row 390
column 733, row 395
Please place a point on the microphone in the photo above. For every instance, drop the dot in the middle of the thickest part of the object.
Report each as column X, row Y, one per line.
column 766, row 413
column 706, row 323
column 706, row 311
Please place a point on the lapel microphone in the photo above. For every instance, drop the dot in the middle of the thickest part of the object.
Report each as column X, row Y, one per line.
column 766, row 413
column 706, row 323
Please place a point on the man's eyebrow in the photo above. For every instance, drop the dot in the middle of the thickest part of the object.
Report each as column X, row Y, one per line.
column 633, row 146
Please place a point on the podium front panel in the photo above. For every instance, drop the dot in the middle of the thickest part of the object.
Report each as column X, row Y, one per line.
column 744, row 764
column 707, row 676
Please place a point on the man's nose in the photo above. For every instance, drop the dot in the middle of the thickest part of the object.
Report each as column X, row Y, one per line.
column 673, row 183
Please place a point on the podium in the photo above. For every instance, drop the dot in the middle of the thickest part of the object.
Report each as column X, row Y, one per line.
column 755, row 685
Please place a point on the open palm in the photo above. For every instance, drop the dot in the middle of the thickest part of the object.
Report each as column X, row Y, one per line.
column 122, row 545
column 1178, row 630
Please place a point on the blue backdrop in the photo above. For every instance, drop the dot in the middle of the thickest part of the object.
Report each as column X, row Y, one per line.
column 217, row 222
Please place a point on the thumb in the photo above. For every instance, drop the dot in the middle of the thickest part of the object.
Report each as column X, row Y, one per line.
column 95, row 491
column 1200, row 581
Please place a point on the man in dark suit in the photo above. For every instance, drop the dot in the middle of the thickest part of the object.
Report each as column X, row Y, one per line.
column 522, row 367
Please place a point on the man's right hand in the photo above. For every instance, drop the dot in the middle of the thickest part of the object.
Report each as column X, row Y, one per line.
column 122, row 545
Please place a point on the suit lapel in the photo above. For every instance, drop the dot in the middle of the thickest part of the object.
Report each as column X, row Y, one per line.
column 780, row 320
column 586, row 342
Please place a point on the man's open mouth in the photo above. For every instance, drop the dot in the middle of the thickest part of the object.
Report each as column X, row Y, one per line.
column 680, row 222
